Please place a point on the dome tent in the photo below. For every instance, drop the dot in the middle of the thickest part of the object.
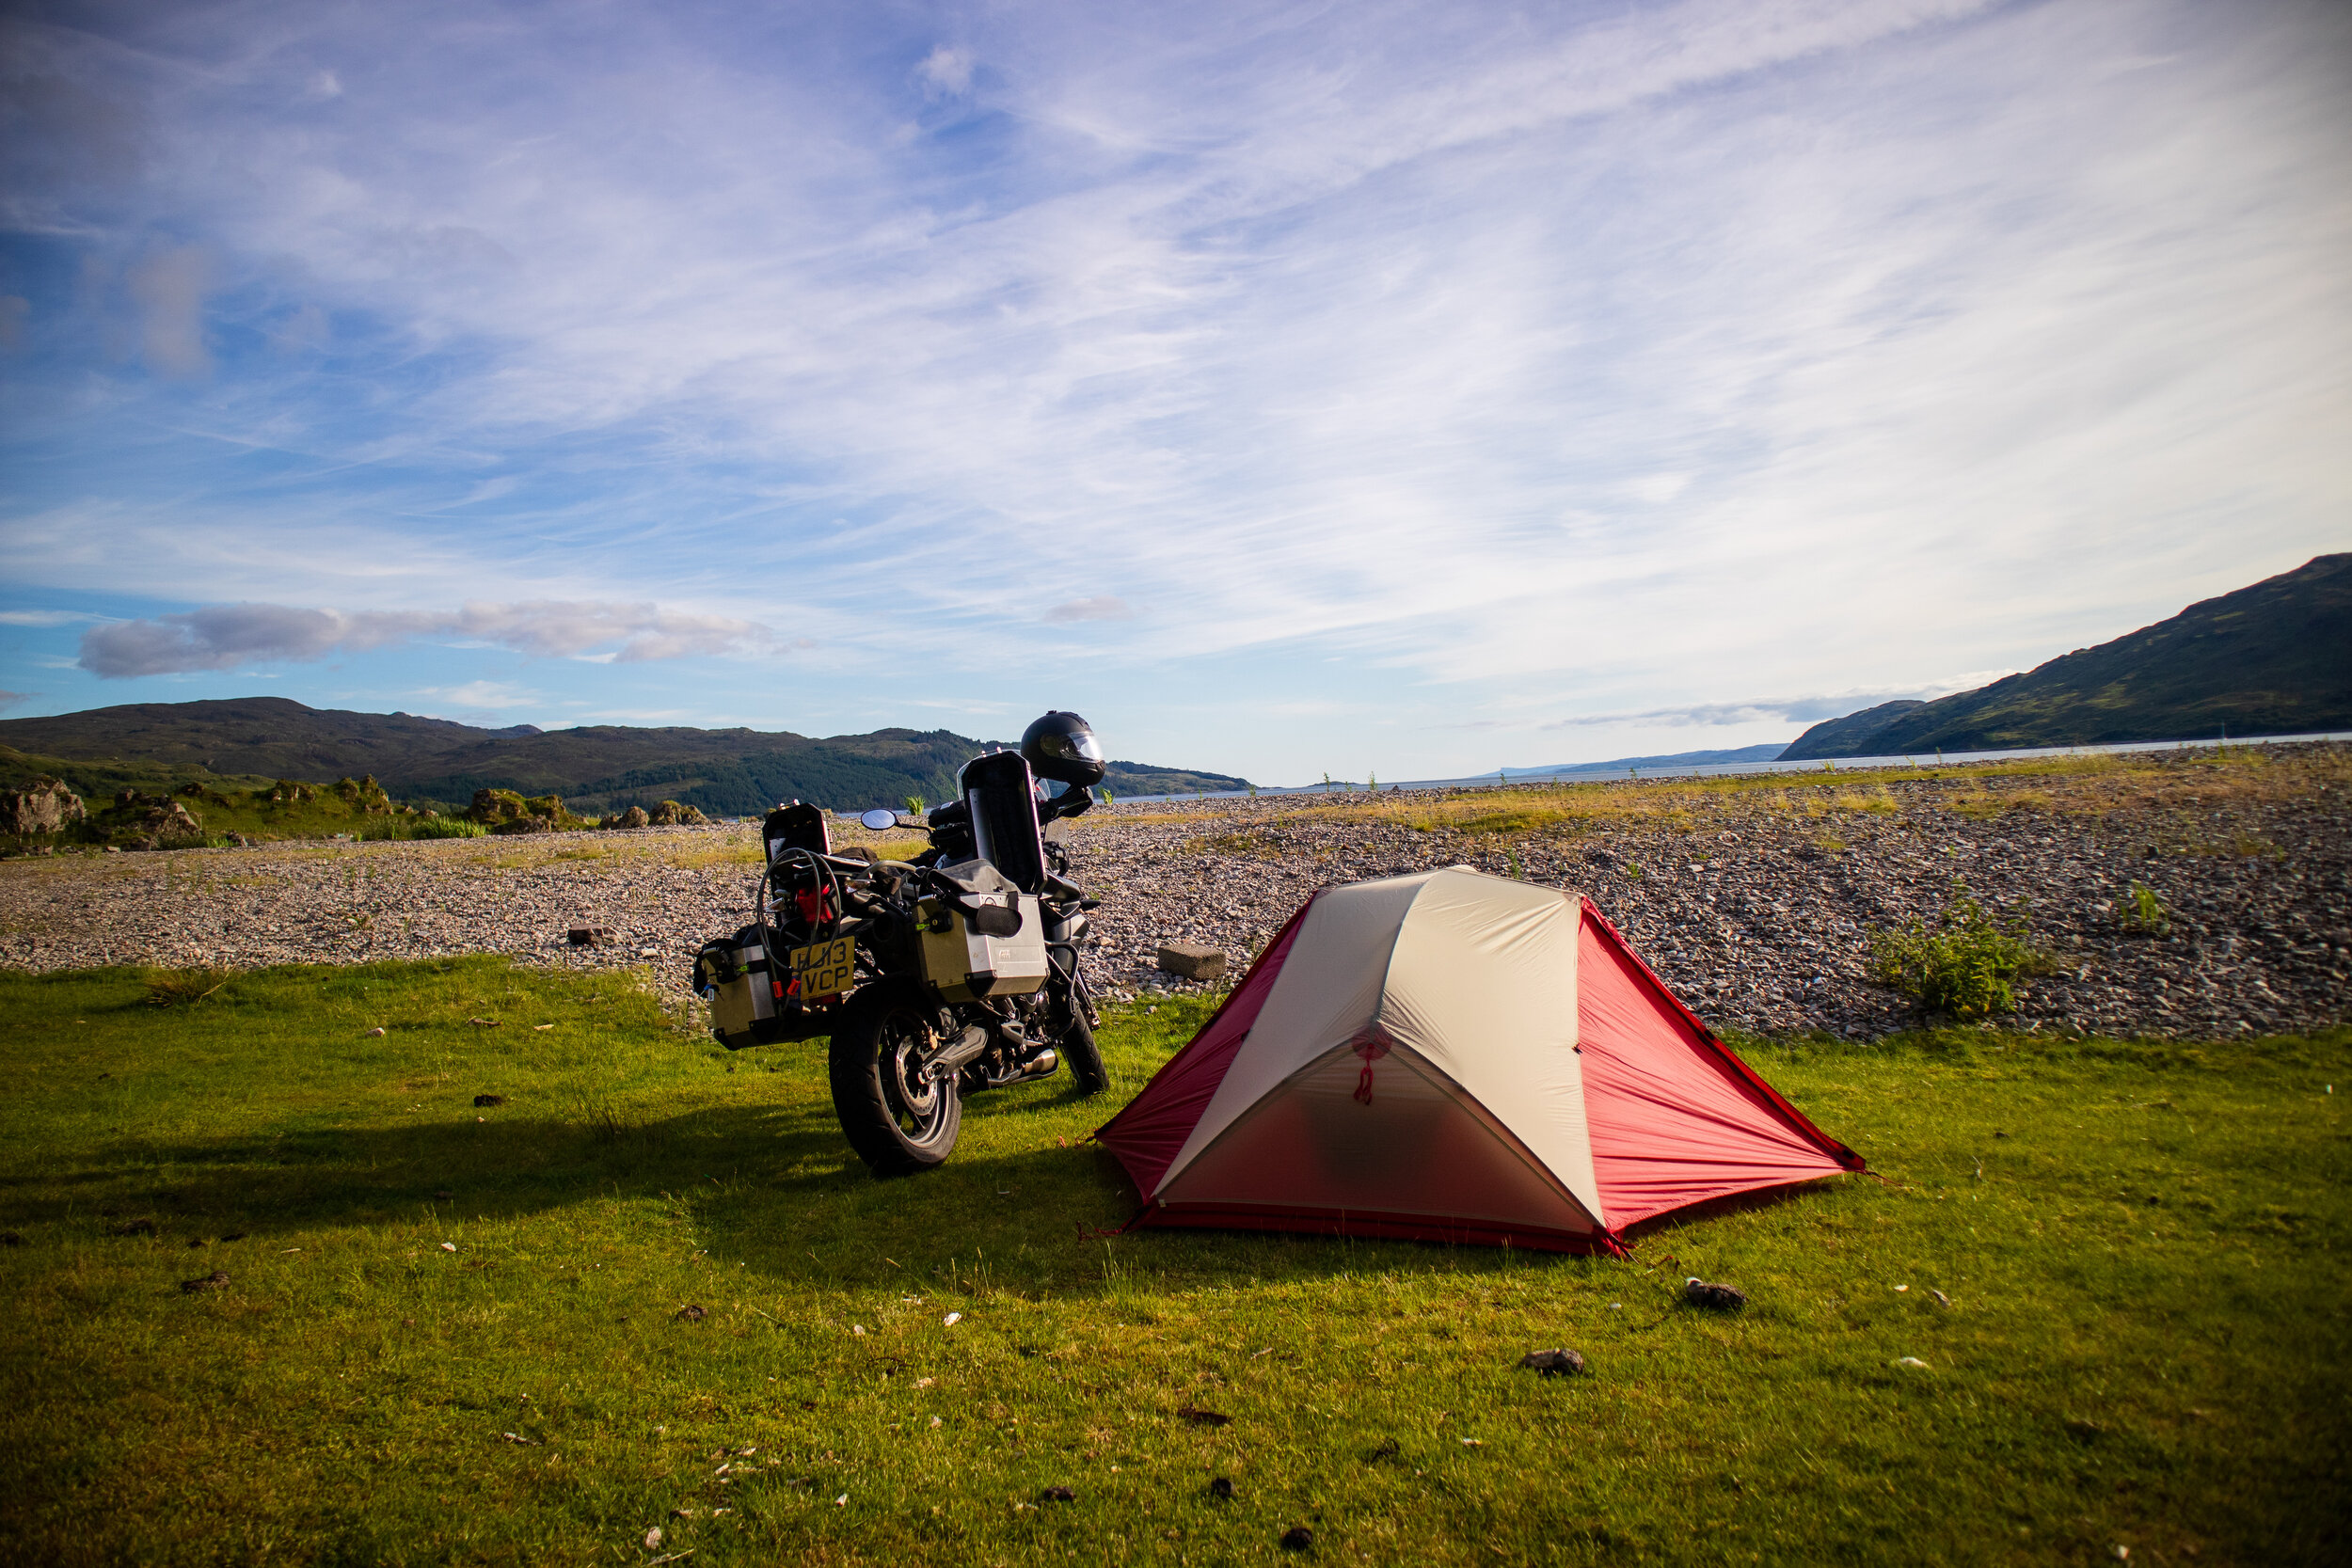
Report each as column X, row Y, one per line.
column 1451, row 1056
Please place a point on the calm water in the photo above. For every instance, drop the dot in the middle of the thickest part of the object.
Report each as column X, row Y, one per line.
column 1841, row 764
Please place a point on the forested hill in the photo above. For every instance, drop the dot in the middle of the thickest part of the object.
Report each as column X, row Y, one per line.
column 2273, row 659
column 594, row 768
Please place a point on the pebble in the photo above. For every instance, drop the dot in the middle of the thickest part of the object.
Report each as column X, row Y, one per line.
column 1753, row 910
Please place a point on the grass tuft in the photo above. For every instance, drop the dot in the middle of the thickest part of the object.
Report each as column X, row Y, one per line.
column 180, row 988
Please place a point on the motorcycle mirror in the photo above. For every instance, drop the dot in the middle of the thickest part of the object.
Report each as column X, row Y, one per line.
column 878, row 819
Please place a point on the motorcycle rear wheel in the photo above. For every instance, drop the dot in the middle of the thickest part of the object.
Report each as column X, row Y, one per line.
column 898, row 1117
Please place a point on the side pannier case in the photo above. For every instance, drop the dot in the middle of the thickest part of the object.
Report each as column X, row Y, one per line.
column 965, row 962
column 733, row 973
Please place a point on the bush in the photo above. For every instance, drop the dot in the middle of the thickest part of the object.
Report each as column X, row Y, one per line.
column 1967, row 965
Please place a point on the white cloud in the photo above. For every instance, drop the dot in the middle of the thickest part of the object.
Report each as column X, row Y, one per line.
column 46, row 617
column 1103, row 607
column 221, row 636
column 168, row 288
column 946, row 70
column 484, row 696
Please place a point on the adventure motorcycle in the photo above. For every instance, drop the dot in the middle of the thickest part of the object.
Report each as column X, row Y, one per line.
column 935, row 977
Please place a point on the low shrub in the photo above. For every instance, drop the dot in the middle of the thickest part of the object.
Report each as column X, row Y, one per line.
column 1967, row 964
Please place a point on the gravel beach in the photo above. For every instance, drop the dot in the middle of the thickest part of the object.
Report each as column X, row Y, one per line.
column 1755, row 900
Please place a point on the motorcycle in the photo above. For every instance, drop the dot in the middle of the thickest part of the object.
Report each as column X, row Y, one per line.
column 937, row 977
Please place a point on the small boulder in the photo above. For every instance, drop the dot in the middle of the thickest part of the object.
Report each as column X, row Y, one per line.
column 1297, row 1538
column 44, row 806
column 1553, row 1363
column 691, row 1314
column 1191, row 960
column 1719, row 1298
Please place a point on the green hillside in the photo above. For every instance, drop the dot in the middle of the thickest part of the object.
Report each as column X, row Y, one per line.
column 597, row 768
column 2274, row 658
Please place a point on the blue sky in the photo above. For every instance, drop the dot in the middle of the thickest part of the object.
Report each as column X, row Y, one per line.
column 1290, row 389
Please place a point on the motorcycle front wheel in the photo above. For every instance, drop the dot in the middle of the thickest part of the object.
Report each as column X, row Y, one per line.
column 897, row 1114
column 1076, row 1039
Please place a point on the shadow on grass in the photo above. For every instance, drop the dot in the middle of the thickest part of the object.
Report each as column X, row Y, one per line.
column 772, row 1188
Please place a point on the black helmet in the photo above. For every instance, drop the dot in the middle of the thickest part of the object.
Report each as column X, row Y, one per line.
column 1059, row 746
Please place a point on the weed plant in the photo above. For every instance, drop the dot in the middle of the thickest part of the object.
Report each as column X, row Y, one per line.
column 2143, row 914
column 1966, row 964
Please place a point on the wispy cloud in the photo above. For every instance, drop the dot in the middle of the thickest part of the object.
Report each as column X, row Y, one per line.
column 1794, row 710
column 483, row 697
column 1103, row 607
column 221, row 636
column 1444, row 359
column 46, row 617
column 15, row 699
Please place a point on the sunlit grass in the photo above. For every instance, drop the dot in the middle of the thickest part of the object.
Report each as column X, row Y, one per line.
column 2145, row 1345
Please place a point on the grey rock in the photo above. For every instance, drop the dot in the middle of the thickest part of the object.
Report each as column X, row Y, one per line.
column 1719, row 1298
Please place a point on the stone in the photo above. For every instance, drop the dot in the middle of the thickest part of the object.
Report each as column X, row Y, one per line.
column 634, row 817
column 1191, row 960
column 1721, row 1298
column 494, row 807
column 44, row 806
column 590, row 936
column 1553, row 1363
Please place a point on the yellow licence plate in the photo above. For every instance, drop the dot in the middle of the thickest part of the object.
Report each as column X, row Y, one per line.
column 824, row 968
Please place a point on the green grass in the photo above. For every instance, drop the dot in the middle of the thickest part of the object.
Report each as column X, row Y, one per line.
column 2146, row 1344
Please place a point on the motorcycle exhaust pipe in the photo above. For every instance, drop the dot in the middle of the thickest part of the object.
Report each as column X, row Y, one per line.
column 1040, row 1064
column 969, row 1044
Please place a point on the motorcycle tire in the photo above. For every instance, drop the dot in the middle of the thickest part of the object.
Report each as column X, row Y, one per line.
column 1078, row 1048
column 899, row 1119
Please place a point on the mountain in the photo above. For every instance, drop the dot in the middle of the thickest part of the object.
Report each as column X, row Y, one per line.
column 1823, row 739
column 2273, row 659
column 594, row 768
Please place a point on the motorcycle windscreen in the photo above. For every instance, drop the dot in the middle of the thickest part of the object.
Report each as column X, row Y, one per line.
column 1003, row 797
column 797, row 826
